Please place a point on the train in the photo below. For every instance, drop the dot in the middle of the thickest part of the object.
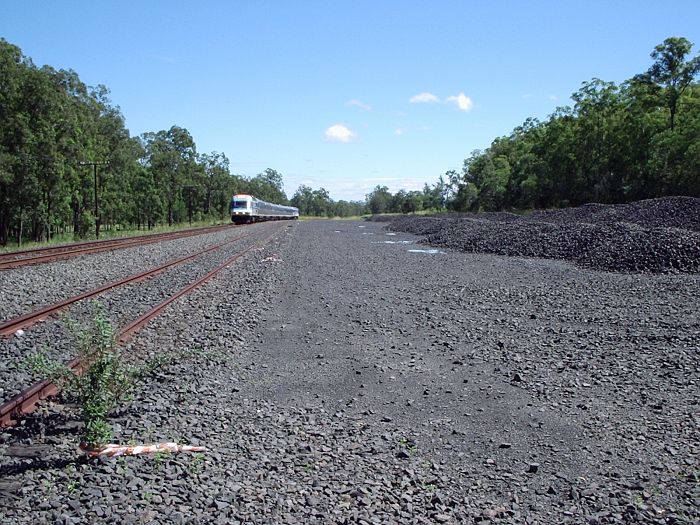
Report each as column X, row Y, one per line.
column 247, row 209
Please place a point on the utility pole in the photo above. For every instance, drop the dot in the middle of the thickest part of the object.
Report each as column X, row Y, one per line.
column 97, row 217
column 189, row 190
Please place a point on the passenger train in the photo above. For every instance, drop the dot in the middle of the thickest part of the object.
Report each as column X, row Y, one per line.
column 246, row 208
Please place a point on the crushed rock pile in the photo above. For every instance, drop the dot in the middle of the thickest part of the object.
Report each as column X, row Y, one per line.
column 651, row 236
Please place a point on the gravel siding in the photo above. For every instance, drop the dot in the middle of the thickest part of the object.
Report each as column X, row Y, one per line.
column 340, row 377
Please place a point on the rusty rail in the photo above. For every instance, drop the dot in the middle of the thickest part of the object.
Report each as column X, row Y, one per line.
column 16, row 259
column 26, row 401
column 10, row 326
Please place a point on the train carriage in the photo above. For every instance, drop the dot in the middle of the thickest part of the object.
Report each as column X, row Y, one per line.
column 246, row 209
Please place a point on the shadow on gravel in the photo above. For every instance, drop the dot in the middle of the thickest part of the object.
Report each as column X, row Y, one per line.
column 41, row 464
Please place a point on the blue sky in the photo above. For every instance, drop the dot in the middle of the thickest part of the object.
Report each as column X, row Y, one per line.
column 344, row 95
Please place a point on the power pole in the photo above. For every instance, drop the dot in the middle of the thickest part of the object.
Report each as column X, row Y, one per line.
column 97, row 217
column 189, row 190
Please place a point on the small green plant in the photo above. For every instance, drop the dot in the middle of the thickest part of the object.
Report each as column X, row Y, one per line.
column 407, row 444
column 72, row 483
column 48, row 483
column 102, row 381
column 638, row 500
column 121, row 465
column 160, row 457
column 196, row 463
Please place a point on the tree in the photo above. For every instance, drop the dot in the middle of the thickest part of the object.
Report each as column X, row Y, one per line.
column 171, row 155
column 379, row 200
column 215, row 171
column 672, row 72
column 268, row 186
column 303, row 199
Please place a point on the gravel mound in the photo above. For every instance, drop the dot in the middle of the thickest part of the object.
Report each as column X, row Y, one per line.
column 651, row 236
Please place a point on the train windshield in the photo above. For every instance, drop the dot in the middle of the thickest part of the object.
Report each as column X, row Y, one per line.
column 238, row 204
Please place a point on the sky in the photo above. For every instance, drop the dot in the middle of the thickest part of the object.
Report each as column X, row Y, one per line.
column 344, row 95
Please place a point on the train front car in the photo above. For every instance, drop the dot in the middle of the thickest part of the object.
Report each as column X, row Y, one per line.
column 242, row 209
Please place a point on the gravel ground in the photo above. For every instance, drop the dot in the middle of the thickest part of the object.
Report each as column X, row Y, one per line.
column 348, row 375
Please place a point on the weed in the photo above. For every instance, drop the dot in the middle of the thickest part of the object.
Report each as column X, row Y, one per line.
column 48, row 483
column 408, row 444
column 196, row 464
column 104, row 380
column 72, row 484
column 160, row 457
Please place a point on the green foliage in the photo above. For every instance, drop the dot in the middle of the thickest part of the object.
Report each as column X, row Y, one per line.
column 50, row 122
column 616, row 144
column 318, row 203
column 104, row 381
column 379, row 201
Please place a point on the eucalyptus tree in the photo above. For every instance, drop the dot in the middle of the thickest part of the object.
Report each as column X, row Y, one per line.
column 268, row 186
column 379, row 200
column 215, row 178
column 171, row 156
column 672, row 72
column 303, row 199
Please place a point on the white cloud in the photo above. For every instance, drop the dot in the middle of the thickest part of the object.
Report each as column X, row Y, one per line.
column 424, row 98
column 339, row 133
column 553, row 98
column 463, row 102
column 357, row 103
column 398, row 131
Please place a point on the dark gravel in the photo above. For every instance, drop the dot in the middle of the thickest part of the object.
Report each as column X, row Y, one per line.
column 652, row 236
column 341, row 376
column 121, row 305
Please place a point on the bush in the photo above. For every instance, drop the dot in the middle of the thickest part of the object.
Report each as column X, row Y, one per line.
column 100, row 382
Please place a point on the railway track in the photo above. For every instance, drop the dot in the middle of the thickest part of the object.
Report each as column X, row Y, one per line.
column 11, row 326
column 17, row 259
column 26, row 400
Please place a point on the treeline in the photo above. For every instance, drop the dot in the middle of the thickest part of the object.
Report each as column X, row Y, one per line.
column 68, row 163
column 617, row 144
column 318, row 203
column 381, row 200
